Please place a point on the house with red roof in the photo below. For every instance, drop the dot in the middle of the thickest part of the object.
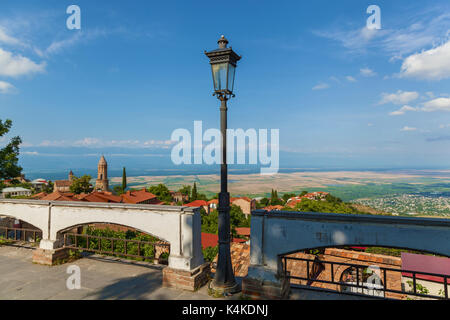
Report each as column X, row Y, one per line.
column 274, row 208
column 428, row 264
column 140, row 197
column 211, row 240
column 199, row 204
column 246, row 204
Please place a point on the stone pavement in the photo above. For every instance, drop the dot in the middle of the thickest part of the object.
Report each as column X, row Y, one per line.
column 101, row 278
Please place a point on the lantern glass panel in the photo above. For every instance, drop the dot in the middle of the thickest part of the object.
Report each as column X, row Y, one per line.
column 219, row 71
column 231, row 71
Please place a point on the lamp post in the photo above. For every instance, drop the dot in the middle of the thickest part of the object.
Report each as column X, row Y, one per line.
column 223, row 64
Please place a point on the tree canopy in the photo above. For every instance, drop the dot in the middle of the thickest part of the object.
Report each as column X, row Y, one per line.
column 9, row 155
column 81, row 185
column 162, row 192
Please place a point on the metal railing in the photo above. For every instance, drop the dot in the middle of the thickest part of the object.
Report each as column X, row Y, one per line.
column 360, row 284
column 113, row 246
column 20, row 234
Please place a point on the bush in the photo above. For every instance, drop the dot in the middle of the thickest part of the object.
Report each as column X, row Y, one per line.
column 146, row 250
column 209, row 253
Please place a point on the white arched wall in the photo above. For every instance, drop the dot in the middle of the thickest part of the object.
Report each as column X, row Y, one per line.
column 35, row 214
column 278, row 233
column 180, row 226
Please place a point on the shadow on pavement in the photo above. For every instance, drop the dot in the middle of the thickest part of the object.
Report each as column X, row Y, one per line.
column 134, row 288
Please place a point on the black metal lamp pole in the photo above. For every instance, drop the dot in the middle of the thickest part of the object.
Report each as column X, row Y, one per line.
column 223, row 63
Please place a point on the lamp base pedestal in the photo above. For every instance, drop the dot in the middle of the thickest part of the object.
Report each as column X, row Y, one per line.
column 222, row 290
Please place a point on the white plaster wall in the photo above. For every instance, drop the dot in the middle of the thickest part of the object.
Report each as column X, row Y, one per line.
column 180, row 226
column 281, row 234
column 35, row 214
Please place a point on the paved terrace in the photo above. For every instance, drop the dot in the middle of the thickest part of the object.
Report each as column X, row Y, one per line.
column 101, row 278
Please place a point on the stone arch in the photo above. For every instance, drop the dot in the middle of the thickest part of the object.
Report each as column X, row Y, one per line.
column 427, row 250
column 108, row 223
column 179, row 226
column 153, row 223
column 32, row 214
column 275, row 234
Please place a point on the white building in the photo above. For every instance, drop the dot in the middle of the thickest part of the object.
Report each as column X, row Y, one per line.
column 39, row 184
column 15, row 191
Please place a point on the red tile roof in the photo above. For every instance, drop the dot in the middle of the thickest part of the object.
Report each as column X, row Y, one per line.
column 39, row 195
column 197, row 203
column 211, row 240
column 60, row 196
column 274, row 208
column 240, row 259
column 63, row 183
column 243, row 231
column 99, row 196
column 424, row 263
column 139, row 196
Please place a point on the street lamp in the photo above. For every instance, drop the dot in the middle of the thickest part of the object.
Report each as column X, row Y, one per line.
column 223, row 65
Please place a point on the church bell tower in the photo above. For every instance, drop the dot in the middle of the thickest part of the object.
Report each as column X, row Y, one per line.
column 101, row 184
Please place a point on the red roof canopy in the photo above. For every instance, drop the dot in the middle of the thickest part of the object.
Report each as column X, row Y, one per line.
column 424, row 263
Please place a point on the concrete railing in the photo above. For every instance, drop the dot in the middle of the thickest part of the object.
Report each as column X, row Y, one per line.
column 277, row 233
column 180, row 226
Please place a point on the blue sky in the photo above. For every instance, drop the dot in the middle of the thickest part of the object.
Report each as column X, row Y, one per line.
column 339, row 93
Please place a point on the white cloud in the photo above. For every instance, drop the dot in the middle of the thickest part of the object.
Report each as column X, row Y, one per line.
column 350, row 78
column 6, row 87
column 402, row 110
column 321, row 86
column 96, row 143
column 7, row 39
column 79, row 37
column 400, row 97
column 354, row 40
column 439, row 104
column 433, row 64
column 59, row 45
column 406, row 128
column 335, row 79
column 429, row 27
column 17, row 65
column 366, row 72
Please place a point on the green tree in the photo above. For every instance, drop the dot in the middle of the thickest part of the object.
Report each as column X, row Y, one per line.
column 49, row 187
column 82, row 184
column 264, row 202
column 118, row 189
column 194, row 194
column 124, row 180
column 162, row 192
column 237, row 219
column 9, row 155
column 185, row 190
column 210, row 253
column 286, row 196
column 209, row 221
column 274, row 200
